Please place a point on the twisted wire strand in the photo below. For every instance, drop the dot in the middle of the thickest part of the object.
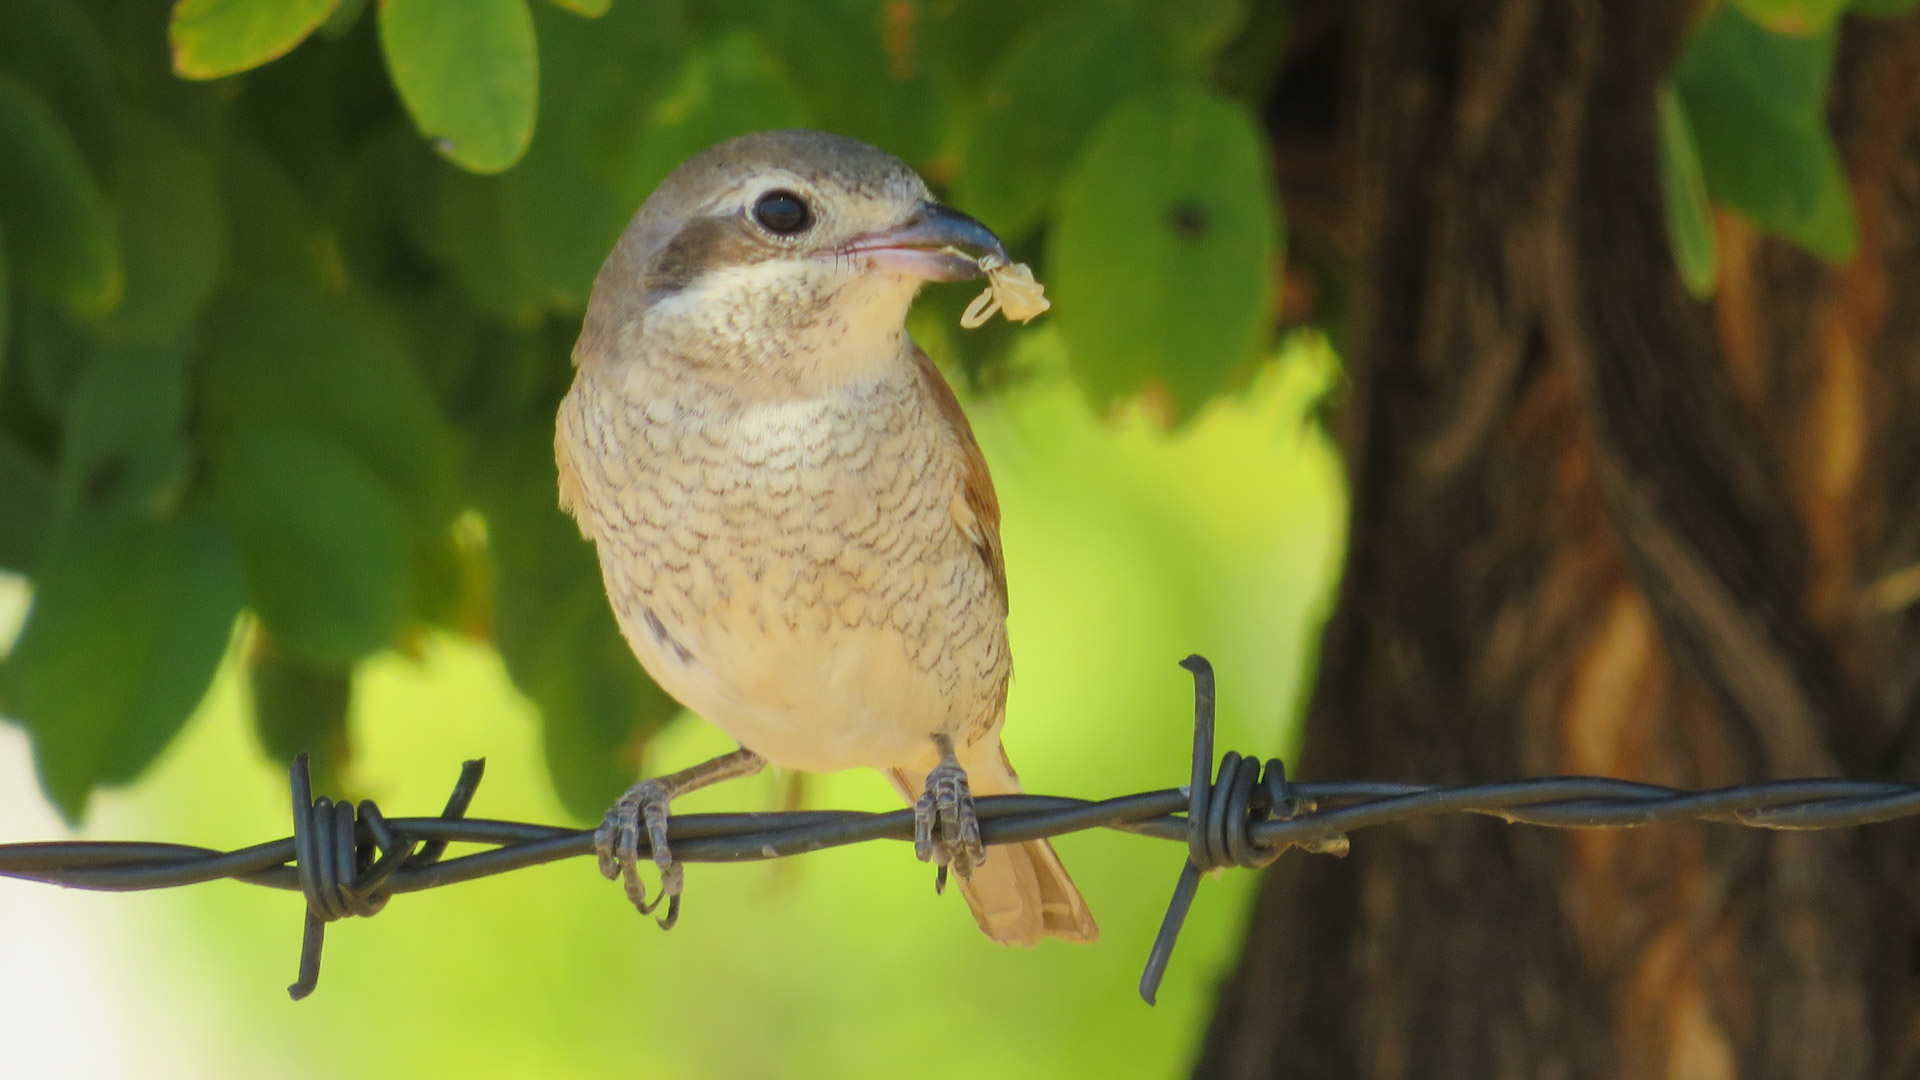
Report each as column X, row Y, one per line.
column 349, row 860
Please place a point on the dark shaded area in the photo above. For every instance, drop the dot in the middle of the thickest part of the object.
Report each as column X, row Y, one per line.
column 1599, row 527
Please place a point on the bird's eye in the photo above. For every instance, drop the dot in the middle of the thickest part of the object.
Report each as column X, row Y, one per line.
column 782, row 213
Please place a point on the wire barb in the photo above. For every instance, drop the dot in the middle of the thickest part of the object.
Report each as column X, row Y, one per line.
column 349, row 860
column 334, row 856
column 1221, row 814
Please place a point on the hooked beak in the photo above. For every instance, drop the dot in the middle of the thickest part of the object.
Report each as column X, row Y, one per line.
column 938, row 243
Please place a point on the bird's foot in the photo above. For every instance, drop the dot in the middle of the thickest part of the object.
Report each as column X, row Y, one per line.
column 945, row 830
column 617, row 843
column 617, row 840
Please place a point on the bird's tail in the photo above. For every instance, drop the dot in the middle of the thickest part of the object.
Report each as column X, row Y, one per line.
column 1020, row 893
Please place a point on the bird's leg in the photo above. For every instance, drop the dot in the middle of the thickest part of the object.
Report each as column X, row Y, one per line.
column 945, row 830
column 617, row 840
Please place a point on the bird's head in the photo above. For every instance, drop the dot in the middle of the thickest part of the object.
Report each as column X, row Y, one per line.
column 779, row 262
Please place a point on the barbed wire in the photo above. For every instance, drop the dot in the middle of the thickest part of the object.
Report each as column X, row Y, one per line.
column 350, row 860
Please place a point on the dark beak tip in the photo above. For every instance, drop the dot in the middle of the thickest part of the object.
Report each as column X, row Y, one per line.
column 937, row 243
column 959, row 229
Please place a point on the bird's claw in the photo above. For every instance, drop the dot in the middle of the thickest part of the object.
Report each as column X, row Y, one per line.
column 945, row 830
column 617, row 843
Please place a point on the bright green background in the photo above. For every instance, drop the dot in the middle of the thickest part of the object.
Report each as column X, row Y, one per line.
column 1127, row 548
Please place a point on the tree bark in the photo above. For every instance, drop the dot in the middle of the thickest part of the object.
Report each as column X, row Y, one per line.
column 1602, row 528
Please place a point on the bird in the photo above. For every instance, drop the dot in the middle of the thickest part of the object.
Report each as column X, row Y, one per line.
column 795, row 525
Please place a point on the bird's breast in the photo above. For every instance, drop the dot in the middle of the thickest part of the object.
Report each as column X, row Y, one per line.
column 792, row 570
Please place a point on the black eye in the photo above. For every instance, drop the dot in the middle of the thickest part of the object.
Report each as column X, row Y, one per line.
column 783, row 213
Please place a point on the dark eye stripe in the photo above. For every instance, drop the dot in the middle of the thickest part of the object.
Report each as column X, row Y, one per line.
column 701, row 245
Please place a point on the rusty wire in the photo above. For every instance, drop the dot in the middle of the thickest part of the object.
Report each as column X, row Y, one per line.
column 349, row 860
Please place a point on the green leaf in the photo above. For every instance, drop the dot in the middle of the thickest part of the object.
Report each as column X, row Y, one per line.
column 450, row 579
column 300, row 708
column 592, row 9
column 354, row 388
column 1830, row 231
column 1689, row 217
column 1738, row 65
column 276, row 235
column 565, row 223
column 383, row 222
column 346, row 14
column 59, row 230
column 962, row 40
column 598, row 79
column 6, row 301
column 1755, row 101
column 529, row 240
column 1883, row 9
column 1162, row 252
column 858, row 66
column 468, row 72
column 212, row 38
column 493, row 379
column 50, row 350
column 473, row 232
column 557, row 633
column 1049, row 91
column 1799, row 17
column 51, row 47
column 323, row 543
column 26, row 507
column 280, row 359
column 123, row 449
column 730, row 87
column 596, row 702
column 1192, row 31
column 1248, row 68
column 128, row 625
column 532, row 239
column 172, row 232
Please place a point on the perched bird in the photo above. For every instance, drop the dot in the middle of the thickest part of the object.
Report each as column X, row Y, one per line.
column 796, row 528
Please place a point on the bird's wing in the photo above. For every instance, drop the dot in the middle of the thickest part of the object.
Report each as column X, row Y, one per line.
column 977, row 510
column 565, row 434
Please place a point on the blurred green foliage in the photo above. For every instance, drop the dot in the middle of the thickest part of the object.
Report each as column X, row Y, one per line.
column 1743, row 123
column 1127, row 548
column 290, row 287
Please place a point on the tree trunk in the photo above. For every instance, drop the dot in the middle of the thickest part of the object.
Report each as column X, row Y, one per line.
column 1602, row 528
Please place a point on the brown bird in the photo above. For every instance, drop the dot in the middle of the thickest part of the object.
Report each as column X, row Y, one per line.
column 795, row 525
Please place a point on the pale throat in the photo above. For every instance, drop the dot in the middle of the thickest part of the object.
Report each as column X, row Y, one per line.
column 813, row 326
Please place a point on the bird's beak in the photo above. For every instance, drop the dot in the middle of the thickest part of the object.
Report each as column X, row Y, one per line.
column 938, row 243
